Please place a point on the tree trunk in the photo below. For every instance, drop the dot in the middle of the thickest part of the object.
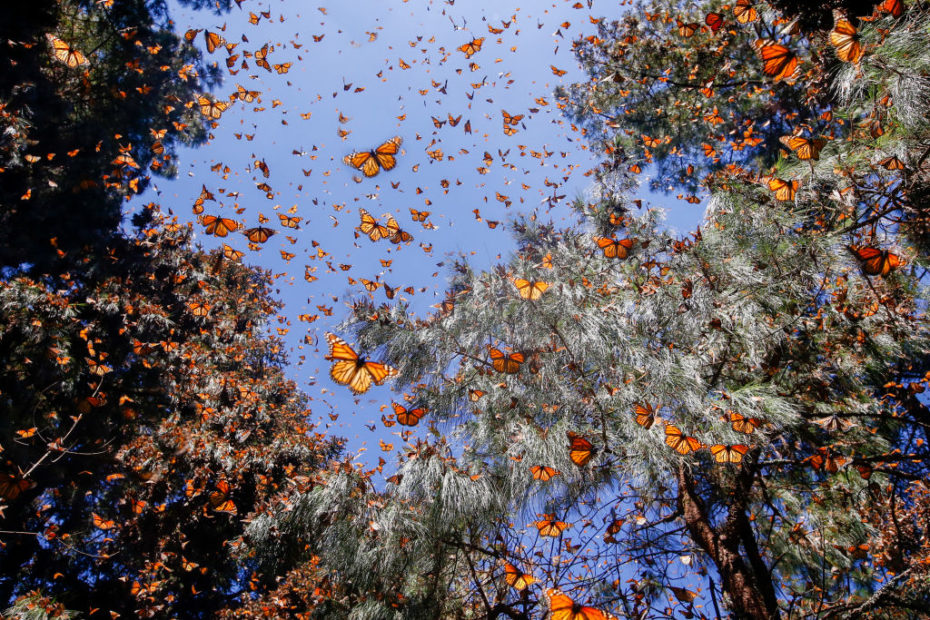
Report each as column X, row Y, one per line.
column 745, row 581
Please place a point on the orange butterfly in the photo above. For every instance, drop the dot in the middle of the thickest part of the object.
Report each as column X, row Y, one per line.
column 371, row 227
column 258, row 234
column 805, row 148
column 474, row 395
column 419, row 216
column 219, row 226
column 891, row 163
column 778, row 61
column 645, row 415
column 544, row 472
column 350, row 369
column 580, row 450
column 65, row 53
column 396, row 234
column 210, row 108
column 614, row 248
column 679, row 442
column 408, row 417
column 219, row 499
column 213, row 40
column 382, row 157
column 517, row 579
column 845, row 39
column 895, row 7
column 505, row 363
column 876, row 262
column 687, row 30
column 562, row 607
column 511, row 120
column 784, row 190
column 12, row 485
column 742, row 424
column 472, row 47
column 548, row 526
column 530, row 289
column 288, row 221
column 745, row 12
column 729, row 454
column 714, row 20
column 103, row 524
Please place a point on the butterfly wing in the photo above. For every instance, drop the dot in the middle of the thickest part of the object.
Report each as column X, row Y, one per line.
column 580, row 450
column 778, row 61
column 385, row 153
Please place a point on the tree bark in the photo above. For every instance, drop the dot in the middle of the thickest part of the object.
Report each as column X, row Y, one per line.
column 745, row 581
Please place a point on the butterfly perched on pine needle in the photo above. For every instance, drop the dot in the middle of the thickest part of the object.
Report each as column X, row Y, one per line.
column 408, row 417
column 219, row 498
column 580, row 450
column 729, row 454
column 714, row 20
column 876, row 262
column 804, row 148
column 645, row 414
column 679, row 442
column 371, row 162
column 530, row 289
column 742, row 424
column 562, row 607
column 845, row 39
column 508, row 363
column 745, row 12
column 784, row 190
column 544, row 472
column 354, row 371
column 614, row 248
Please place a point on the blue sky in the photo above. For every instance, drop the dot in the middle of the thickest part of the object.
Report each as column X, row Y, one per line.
column 347, row 89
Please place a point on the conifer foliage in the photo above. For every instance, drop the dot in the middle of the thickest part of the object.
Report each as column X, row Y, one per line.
column 627, row 422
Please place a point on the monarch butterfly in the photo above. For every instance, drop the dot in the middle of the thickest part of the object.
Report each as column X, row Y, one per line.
column 454, row 121
column 729, row 454
column 826, row 461
column 474, row 395
column 101, row 523
column 580, row 450
column 805, row 148
column 742, row 424
column 505, row 363
column 517, row 579
column 472, row 47
column 261, row 58
column 845, row 39
column 258, row 234
column 419, row 216
column 548, row 526
column 778, row 61
column 219, row 499
column 876, row 262
column 562, row 607
column 530, row 289
column 714, row 20
column 408, row 417
column 679, row 442
column 350, row 369
column 213, row 40
column 895, row 7
column 232, row 253
column 687, row 30
column 614, row 248
column 544, row 472
column 63, row 52
column 210, row 108
column 198, row 308
column 382, row 157
column 289, row 221
column 784, row 190
column 395, row 234
column 12, row 485
column 645, row 415
column 891, row 163
column 371, row 227
column 650, row 141
column 745, row 12
column 219, row 226
column 511, row 120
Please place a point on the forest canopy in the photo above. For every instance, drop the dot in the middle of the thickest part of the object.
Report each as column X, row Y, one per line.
column 617, row 420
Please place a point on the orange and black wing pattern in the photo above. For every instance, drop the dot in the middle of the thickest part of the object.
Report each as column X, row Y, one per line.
column 354, row 371
column 380, row 158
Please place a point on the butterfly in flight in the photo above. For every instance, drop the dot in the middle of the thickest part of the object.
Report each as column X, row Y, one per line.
column 65, row 53
column 544, row 472
column 371, row 162
column 845, row 39
column 350, row 369
column 876, row 262
column 408, row 417
column 516, row 578
column 372, row 227
column 562, row 607
column 580, row 450
column 548, row 526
